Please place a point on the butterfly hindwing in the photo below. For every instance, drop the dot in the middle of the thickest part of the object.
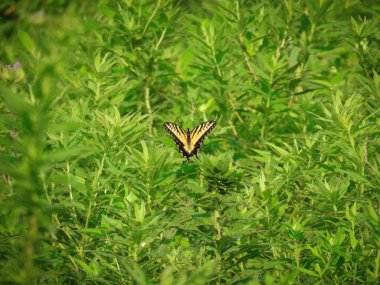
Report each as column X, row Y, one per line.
column 189, row 143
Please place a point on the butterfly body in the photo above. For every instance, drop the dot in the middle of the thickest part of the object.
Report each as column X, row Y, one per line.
column 189, row 142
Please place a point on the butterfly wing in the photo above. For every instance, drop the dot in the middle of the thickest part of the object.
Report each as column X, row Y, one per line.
column 179, row 135
column 198, row 134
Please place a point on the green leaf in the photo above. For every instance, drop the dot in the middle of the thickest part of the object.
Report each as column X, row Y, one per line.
column 27, row 41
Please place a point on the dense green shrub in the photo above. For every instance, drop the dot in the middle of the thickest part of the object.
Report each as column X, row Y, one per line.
column 286, row 190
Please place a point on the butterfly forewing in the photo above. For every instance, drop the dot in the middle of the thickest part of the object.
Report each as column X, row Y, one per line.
column 179, row 135
column 198, row 134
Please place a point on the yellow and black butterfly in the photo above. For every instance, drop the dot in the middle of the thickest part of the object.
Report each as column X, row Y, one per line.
column 189, row 142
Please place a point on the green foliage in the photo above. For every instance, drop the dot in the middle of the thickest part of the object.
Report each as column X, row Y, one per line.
column 93, row 191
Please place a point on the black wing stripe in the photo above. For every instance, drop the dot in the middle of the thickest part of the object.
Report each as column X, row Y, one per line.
column 200, row 128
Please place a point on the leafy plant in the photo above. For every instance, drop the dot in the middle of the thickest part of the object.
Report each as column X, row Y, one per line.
column 93, row 191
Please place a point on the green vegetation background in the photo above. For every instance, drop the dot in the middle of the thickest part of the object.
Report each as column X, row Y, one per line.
column 93, row 191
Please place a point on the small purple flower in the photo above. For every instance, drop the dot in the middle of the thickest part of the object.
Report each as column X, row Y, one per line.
column 16, row 65
column 10, row 72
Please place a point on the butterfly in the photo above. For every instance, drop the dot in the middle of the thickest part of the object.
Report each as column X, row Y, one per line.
column 189, row 142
